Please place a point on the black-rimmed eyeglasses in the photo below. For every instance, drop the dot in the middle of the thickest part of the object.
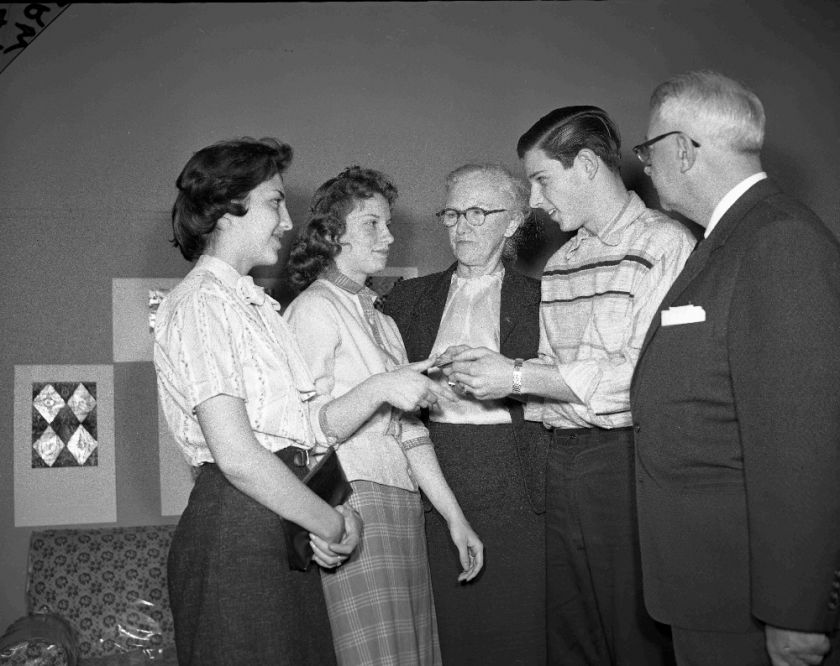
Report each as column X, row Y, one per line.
column 474, row 215
column 643, row 149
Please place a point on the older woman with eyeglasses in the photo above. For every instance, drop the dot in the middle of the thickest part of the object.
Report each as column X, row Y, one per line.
column 489, row 454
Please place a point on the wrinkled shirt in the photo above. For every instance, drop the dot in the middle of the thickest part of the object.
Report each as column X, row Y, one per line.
column 470, row 317
column 344, row 341
column 599, row 295
column 210, row 340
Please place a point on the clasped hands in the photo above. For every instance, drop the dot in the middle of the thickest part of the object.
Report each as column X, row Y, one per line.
column 331, row 555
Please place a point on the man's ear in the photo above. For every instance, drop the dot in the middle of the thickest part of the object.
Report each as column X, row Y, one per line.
column 686, row 152
column 589, row 161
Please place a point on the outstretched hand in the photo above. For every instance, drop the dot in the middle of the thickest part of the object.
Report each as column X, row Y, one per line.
column 479, row 371
column 408, row 389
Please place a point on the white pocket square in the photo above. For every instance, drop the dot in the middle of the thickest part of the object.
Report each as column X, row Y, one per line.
column 683, row 314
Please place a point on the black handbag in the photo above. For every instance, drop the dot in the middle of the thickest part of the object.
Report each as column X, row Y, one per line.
column 328, row 481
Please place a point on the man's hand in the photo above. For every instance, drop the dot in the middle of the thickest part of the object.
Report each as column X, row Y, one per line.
column 795, row 648
column 479, row 371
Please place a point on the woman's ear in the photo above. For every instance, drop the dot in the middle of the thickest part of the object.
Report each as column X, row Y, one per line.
column 225, row 222
column 516, row 221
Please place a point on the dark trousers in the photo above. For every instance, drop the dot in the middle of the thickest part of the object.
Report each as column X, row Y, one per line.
column 595, row 611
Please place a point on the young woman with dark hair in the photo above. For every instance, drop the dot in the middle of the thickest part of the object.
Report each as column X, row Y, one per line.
column 380, row 601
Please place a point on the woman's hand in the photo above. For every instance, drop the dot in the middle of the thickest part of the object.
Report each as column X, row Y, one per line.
column 406, row 388
column 332, row 555
column 470, row 549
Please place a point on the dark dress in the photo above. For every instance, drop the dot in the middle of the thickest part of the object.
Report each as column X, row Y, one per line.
column 496, row 473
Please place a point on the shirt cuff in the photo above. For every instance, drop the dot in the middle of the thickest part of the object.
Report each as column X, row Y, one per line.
column 423, row 440
column 324, row 434
column 582, row 377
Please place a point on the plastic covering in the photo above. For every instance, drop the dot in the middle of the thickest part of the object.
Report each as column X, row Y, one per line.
column 41, row 640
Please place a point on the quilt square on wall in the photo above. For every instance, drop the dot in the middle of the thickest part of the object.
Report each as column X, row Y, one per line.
column 64, row 445
column 64, row 424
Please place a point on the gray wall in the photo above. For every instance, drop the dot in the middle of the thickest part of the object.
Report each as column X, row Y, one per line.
column 100, row 113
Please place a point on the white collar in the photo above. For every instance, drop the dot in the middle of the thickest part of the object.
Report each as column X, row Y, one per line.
column 730, row 198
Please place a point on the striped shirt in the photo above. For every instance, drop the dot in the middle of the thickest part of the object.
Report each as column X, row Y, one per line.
column 599, row 295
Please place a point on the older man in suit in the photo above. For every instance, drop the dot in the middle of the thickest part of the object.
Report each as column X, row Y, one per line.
column 736, row 398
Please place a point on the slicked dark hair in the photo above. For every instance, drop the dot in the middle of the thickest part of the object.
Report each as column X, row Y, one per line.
column 217, row 180
column 318, row 242
column 564, row 132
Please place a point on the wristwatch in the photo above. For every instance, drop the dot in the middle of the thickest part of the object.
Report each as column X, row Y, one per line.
column 517, row 376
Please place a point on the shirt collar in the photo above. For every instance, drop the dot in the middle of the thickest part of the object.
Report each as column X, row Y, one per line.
column 614, row 231
column 339, row 279
column 486, row 277
column 226, row 273
column 730, row 198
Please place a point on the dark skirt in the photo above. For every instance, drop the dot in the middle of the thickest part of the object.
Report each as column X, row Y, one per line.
column 234, row 599
column 498, row 618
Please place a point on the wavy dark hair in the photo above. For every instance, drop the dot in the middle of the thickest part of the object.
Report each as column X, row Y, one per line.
column 217, row 180
column 564, row 132
column 318, row 242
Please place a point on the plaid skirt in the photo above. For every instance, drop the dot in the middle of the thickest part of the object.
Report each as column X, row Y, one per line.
column 380, row 600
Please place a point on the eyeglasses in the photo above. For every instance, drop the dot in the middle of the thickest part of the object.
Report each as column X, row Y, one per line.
column 643, row 149
column 474, row 215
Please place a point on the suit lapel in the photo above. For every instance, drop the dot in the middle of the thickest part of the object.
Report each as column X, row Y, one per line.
column 707, row 247
column 429, row 311
column 509, row 308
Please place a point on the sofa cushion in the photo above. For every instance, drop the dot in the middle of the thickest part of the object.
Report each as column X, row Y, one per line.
column 108, row 583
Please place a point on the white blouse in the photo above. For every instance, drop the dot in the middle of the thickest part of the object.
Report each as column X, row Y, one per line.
column 470, row 317
column 216, row 333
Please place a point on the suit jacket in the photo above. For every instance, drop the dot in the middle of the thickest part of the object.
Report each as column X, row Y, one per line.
column 737, row 424
column 417, row 307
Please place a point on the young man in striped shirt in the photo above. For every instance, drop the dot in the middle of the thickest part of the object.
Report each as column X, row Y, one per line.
column 599, row 293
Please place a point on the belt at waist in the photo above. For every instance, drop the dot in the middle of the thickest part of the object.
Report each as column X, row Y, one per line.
column 575, row 433
column 296, row 459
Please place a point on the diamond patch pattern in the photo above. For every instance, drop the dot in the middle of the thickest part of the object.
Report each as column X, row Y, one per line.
column 64, row 430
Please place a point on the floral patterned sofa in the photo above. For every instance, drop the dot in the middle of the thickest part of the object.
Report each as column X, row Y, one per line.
column 94, row 596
